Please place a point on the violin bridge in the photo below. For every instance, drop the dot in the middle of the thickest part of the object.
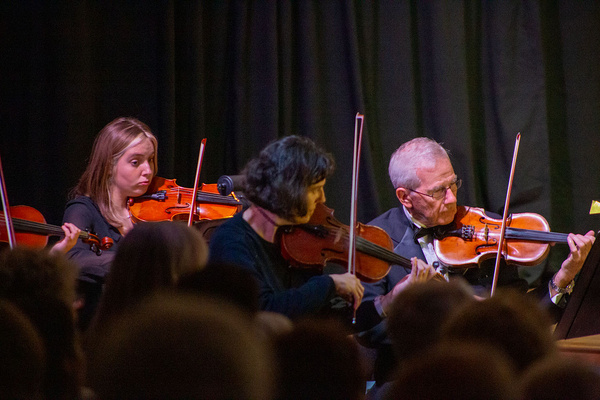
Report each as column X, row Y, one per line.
column 338, row 236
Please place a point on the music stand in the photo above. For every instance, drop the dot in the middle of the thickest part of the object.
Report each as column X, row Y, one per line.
column 582, row 313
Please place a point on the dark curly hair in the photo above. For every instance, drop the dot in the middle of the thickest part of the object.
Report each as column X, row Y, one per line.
column 278, row 178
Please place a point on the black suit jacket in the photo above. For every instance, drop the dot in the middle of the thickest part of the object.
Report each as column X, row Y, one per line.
column 400, row 230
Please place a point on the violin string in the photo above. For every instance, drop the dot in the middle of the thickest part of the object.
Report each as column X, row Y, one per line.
column 375, row 250
column 190, row 191
column 372, row 249
column 32, row 225
column 39, row 227
column 542, row 236
column 213, row 197
column 382, row 253
column 527, row 235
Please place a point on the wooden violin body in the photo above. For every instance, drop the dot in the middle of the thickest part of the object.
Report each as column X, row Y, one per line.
column 32, row 230
column 325, row 239
column 166, row 201
column 474, row 238
column 20, row 214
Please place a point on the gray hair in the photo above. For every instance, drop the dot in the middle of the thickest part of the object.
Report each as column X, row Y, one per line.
column 417, row 153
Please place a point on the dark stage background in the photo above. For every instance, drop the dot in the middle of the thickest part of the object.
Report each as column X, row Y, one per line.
column 470, row 74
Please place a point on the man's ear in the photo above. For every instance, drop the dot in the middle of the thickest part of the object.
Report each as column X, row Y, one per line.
column 403, row 196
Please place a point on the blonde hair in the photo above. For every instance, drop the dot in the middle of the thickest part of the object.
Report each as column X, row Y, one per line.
column 109, row 146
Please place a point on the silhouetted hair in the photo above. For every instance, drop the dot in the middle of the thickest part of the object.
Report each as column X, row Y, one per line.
column 278, row 178
column 460, row 371
column 42, row 285
column 181, row 347
column 27, row 273
column 559, row 378
column 319, row 360
column 152, row 256
column 110, row 144
column 418, row 313
column 55, row 322
column 509, row 320
column 22, row 355
column 224, row 281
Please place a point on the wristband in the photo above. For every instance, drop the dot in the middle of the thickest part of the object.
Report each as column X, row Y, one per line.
column 566, row 290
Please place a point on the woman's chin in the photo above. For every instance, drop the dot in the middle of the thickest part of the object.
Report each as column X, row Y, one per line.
column 301, row 220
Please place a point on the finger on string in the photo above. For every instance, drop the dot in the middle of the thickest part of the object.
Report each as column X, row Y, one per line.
column 571, row 242
column 414, row 263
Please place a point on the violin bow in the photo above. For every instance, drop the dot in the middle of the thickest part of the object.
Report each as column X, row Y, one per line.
column 358, row 130
column 505, row 214
column 7, row 218
column 195, row 193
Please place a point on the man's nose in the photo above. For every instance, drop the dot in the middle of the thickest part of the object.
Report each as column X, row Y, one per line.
column 450, row 196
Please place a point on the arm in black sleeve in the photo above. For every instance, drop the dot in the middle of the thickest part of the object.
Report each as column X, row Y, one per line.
column 83, row 213
column 233, row 243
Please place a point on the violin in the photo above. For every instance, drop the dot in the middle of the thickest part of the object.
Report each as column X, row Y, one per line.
column 325, row 239
column 32, row 230
column 166, row 201
column 473, row 237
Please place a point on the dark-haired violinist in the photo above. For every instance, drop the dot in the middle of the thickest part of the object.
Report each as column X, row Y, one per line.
column 426, row 187
column 285, row 182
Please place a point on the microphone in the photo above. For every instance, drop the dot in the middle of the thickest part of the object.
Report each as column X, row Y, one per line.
column 230, row 183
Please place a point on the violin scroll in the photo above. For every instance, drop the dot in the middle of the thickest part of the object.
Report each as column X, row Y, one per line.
column 96, row 245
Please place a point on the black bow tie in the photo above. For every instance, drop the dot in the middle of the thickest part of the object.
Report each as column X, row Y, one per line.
column 420, row 232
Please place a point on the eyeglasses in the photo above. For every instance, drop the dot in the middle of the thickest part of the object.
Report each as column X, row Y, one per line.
column 440, row 193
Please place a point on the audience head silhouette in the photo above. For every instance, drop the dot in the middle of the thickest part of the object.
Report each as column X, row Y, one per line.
column 418, row 313
column 152, row 256
column 42, row 285
column 558, row 378
column 510, row 321
column 457, row 371
column 176, row 346
column 22, row 355
column 225, row 281
column 318, row 360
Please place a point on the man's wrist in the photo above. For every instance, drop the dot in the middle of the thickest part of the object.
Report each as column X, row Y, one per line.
column 561, row 286
column 562, row 278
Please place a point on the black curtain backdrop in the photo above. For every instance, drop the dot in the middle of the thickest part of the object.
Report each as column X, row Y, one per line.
column 471, row 74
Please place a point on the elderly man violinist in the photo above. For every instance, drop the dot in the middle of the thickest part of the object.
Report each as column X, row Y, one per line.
column 426, row 187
